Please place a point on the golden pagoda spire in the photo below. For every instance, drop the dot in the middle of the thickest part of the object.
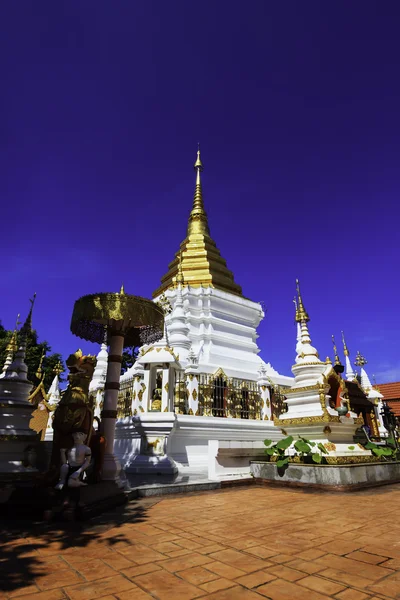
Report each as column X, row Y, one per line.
column 12, row 347
column 198, row 222
column 39, row 372
column 337, row 359
column 198, row 261
column 122, row 290
column 301, row 313
column 296, row 309
column 345, row 349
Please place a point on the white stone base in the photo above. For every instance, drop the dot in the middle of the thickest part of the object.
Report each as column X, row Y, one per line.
column 210, row 446
column 329, row 476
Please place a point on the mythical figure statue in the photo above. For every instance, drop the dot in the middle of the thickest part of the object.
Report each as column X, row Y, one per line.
column 74, row 411
column 74, row 462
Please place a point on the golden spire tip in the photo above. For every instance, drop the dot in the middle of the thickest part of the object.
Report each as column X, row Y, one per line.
column 337, row 359
column 122, row 290
column 301, row 314
column 345, row 349
column 198, row 164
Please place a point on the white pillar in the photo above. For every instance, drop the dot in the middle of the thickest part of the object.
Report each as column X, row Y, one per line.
column 171, row 388
column 263, row 383
column 145, row 397
column 192, row 385
column 111, row 466
column 136, row 389
column 165, row 389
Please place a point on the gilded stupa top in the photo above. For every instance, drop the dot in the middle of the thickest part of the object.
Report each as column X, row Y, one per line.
column 198, row 262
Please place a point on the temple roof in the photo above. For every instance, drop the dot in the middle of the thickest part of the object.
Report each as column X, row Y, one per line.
column 201, row 261
column 390, row 391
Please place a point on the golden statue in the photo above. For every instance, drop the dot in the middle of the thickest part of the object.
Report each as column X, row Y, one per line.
column 157, row 395
column 74, row 412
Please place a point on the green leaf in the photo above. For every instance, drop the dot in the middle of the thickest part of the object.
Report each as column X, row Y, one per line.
column 378, row 451
column 285, row 443
column 352, row 447
column 267, row 442
column 309, row 442
column 370, row 446
column 301, row 446
column 387, row 452
column 281, row 463
column 317, row 458
column 270, row 451
column 322, row 448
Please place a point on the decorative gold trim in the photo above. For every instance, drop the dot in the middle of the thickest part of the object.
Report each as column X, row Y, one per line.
column 306, row 388
column 317, row 420
column 349, row 460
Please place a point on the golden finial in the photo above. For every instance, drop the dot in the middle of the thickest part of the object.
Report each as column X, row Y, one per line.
column 328, row 361
column 198, row 165
column 345, row 349
column 122, row 290
column 179, row 277
column 39, row 373
column 58, row 369
column 12, row 345
column 337, row 359
column 198, row 217
column 296, row 309
column 301, row 315
column 360, row 360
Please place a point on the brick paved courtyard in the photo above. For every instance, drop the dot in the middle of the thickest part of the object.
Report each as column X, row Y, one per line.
column 238, row 544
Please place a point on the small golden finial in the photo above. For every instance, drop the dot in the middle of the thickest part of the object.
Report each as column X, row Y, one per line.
column 337, row 359
column 122, row 290
column 179, row 277
column 301, row 315
column 360, row 360
column 39, row 373
column 328, row 361
column 345, row 349
column 198, row 164
column 12, row 345
column 296, row 309
column 58, row 369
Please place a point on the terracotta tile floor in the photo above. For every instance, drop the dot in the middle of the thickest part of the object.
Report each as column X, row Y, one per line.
column 244, row 543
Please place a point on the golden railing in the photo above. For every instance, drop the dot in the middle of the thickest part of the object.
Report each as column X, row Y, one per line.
column 219, row 396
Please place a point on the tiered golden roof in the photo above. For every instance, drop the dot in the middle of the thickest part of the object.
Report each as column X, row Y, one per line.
column 198, row 261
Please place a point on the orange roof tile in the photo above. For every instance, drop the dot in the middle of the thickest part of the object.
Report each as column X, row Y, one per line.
column 394, row 406
column 390, row 391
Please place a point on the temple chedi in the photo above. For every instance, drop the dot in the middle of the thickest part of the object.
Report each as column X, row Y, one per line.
column 201, row 400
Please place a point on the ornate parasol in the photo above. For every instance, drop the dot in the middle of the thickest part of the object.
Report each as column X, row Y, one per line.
column 129, row 321
column 140, row 320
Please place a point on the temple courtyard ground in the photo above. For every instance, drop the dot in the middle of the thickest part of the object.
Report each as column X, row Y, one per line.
column 233, row 544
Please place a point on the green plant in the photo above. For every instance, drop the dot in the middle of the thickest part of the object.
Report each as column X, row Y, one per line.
column 302, row 448
column 389, row 452
column 351, row 447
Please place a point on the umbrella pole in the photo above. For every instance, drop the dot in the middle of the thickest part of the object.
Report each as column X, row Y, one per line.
column 111, row 465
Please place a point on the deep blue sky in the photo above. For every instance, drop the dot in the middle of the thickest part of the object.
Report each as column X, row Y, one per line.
column 296, row 106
